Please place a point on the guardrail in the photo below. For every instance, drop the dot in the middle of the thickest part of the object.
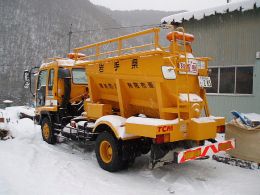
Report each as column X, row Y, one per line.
column 119, row 40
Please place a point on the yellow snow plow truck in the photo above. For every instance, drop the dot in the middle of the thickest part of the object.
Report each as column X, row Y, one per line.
column 131, row 100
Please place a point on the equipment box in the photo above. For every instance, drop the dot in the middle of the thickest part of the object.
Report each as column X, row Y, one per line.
column 95, row 111
column 247, row 142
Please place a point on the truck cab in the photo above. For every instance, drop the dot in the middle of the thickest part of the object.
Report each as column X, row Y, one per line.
column 54, row 98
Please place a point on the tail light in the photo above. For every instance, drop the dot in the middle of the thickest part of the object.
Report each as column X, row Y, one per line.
column 221, row 129
column 73, row 124
column 164, row 138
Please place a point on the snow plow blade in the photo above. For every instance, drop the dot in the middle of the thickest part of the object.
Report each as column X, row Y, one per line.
column 160, row 156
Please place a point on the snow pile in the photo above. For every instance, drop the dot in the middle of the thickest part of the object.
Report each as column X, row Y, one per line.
column 11, row 116
column 150, row 121
column 7, row 101
column 31, row 166
column 203, row 120
column 253, row 116
column 192, row 97
column 117, row 122
column 200, row 14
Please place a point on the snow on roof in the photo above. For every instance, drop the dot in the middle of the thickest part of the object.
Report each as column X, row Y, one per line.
column 200, row 14
column 7, row 101
column 192, row 97
column 253, row 116
column 203, row 120
column 65, row 62
column 150, row 121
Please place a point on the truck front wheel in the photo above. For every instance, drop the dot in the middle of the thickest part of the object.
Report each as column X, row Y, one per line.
column 108, row 152
column 47, row 131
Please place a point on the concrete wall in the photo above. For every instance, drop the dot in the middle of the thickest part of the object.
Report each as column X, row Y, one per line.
column 230, row 39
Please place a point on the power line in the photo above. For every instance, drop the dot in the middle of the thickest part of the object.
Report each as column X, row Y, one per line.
column 116, row 28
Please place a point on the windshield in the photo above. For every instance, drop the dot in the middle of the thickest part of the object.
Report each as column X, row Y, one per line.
column 42, row 79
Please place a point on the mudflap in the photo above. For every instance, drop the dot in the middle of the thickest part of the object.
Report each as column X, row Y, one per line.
column 161, row 155
column 235, row 161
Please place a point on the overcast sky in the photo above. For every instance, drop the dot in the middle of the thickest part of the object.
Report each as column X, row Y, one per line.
column 166, row 5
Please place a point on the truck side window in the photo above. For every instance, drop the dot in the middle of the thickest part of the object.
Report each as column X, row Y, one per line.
column 79, row 76
column 42, row 79
column 50, row 82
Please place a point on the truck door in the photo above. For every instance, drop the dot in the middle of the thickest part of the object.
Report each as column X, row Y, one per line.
column 51, row 98
column 41, row 88
column 79, row 84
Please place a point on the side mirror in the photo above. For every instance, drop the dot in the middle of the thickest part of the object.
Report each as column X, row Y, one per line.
column 26, row 75
column 64, row 73
column 26, row 78
column 26, row 84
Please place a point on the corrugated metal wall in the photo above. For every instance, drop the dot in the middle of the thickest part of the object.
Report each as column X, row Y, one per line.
column 230, row 39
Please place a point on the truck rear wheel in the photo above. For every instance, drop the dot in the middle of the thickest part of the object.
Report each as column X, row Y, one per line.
column 47, row 131
column 108, row 152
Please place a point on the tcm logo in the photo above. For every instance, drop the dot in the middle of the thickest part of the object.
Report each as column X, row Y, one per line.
column 165, row 129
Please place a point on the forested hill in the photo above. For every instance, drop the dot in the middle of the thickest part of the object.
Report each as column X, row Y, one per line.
column 32, row 30
column 137, row 17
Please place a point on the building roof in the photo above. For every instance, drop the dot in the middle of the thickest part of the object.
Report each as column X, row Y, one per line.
column 200, row 14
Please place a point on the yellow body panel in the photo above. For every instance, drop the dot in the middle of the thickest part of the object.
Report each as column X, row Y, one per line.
column 95, row 111
column 142, row 130
column 201, row 131
column 152, row 131
column 220, row 121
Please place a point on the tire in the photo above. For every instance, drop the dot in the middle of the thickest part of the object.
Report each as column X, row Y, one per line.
column 47, row 131
column 108, row 152
column 127, row 163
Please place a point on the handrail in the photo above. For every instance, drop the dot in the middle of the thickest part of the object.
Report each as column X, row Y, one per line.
column 186, row 69
column 119, row 40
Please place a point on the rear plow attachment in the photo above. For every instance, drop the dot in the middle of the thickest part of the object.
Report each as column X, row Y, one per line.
column 162, row 154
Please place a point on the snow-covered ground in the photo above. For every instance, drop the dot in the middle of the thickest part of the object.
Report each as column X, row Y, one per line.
column 28, row 165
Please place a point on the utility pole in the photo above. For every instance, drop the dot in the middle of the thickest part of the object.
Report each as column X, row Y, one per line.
column 70, row 34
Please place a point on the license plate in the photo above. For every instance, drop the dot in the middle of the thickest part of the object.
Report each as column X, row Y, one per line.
column 204, row 81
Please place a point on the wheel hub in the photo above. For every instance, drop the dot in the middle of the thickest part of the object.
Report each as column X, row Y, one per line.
column 46, row 131
column 106, row 151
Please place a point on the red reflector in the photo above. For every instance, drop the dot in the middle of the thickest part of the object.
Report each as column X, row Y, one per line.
column 73, row 124
column 164, row 138
column 159, row 139
column 221, row 129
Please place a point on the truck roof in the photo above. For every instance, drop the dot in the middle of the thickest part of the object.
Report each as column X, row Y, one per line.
column 62, row 62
